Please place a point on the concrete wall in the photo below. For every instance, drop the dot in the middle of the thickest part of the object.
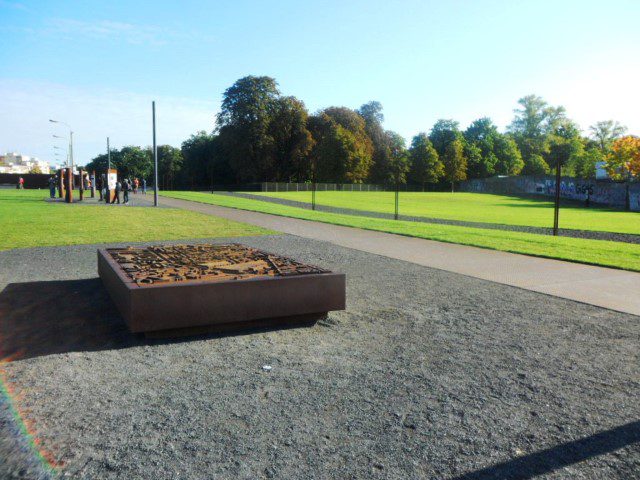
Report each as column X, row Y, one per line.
column 605, row 193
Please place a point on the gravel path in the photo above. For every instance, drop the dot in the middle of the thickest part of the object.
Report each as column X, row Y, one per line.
column 427, row 374
column 589, row 234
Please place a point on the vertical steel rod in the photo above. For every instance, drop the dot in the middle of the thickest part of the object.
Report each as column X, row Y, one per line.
column 556, row 209
column 108, row 156
column 155, row 157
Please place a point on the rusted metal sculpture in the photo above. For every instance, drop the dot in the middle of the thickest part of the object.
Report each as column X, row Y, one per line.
column 214, row 263
column 169, row 287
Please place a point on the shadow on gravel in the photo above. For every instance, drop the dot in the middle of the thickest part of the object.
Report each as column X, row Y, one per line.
column 44, row 318
column 560, row 456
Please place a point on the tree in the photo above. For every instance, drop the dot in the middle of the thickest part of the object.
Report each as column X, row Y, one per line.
column 605, row 132
column 399, row 159
column 455, row 165
column 443, row 133
column 291, row 140
column 533, row 123
column 35, row 169
column 169, row 165
column 243, row 126
column 535, row 165
column 426, row 166
column 381, row 161
column 585, row 164
column 342, row 150
column 478, row 165
column 134, row 162
column 198, row 160
column 508, row 158
column 624, row 159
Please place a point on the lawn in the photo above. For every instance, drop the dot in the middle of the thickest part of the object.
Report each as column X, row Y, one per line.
column 478, row 207
column 596, row 252
column 26, row 220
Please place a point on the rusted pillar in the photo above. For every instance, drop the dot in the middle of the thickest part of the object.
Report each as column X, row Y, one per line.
column 69, row 185
column 81, row 171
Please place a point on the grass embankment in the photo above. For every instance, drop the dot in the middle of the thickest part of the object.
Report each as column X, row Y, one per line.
column 478, row 207
column 596, row 252
column 26, row 220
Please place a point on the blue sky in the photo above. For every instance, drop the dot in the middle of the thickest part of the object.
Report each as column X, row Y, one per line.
column 97, row 65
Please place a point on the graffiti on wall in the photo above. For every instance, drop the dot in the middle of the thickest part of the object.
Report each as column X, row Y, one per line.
column 605, row 193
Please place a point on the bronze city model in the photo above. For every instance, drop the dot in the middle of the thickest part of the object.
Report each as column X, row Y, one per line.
column 182, row 289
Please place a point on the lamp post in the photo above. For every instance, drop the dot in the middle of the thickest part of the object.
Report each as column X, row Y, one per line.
column 70, row 140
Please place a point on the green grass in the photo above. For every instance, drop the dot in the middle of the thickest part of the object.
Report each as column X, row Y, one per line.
column 478, row 207
column 596, row 252
column 26, row 220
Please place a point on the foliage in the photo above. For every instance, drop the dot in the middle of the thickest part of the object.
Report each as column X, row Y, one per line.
column 426, row 166
column 455, row 165
column 399, row 159
column 535, row 165
column 624, row 159
column 508, row 158
column 605, row 132
column 584, row 165
column 372, row 114
column 342, row 151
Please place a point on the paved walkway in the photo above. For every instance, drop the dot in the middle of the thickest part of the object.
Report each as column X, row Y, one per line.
column 604, row 287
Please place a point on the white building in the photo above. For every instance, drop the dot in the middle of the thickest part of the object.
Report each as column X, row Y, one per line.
column 17, row 163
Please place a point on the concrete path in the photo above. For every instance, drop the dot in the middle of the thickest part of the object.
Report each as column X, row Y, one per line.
column 604, row 287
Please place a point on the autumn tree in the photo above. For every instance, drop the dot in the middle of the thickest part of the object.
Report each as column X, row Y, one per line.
column 624, row 161
column 342, row 150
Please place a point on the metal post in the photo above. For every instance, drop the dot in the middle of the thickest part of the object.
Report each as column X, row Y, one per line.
column 397, row 199
column 108, row 155
column 155, row 157
column 313, row 187
column 556, row 210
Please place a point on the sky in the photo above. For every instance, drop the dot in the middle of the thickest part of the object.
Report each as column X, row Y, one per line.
column 97, row 65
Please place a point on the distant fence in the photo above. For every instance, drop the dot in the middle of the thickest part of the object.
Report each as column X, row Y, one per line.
column 601, row 192
column 307, row 187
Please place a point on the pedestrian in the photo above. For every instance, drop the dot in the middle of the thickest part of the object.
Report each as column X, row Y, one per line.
column 99, row 186
column 117, row 195
column 21, row 183
column 52, row 186
column 144, row 186
column 136, row 184
column 126, row 187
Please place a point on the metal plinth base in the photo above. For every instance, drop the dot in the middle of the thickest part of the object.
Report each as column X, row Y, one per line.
column 215, row 288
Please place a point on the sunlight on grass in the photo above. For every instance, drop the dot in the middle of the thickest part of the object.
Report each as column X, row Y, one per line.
column 596, row 252
column 477, row 207
column 26, row 220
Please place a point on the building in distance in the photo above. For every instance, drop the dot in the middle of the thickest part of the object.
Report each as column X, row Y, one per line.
column 18, row 163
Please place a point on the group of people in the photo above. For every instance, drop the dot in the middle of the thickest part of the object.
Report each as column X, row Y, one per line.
column 124, row 187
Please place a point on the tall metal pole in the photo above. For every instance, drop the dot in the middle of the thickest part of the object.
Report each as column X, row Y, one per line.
column 556, row 210
column 155, row 157
column 313, row 187
column 108, row 156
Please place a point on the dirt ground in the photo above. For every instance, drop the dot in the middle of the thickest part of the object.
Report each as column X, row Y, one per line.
column 427, row 374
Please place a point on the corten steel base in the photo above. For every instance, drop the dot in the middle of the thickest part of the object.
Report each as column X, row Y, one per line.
column 192, row 289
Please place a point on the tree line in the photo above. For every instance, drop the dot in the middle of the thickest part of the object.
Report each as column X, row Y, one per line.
column 264, row 136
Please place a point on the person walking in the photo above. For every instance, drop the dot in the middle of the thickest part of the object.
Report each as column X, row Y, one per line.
column 117, row 195
column 126, row 187
column 136, row 184
column 144, row 186
column 21, row 183
column 52, row 186
column 99, row 186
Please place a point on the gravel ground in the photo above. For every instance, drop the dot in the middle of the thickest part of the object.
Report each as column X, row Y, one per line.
column 427, row 374
column 588, row 234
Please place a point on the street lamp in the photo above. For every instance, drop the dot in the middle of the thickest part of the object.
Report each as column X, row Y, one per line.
column 70, row 139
